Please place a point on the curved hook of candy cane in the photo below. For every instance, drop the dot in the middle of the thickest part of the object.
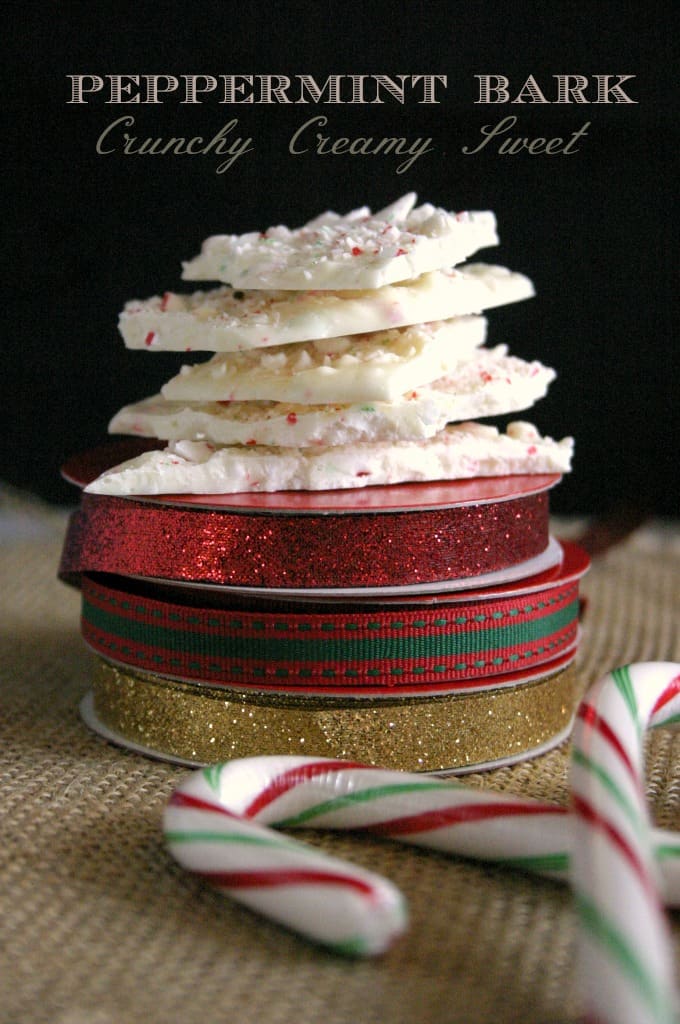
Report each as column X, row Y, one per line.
column 625, row 952
column 350, row 910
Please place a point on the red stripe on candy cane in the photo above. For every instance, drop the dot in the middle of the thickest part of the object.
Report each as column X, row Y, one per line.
column 289, row 780
column 588, row 813
column 671, row 691
column 429, row 821
column 285, row 877
column 194, row 803
column 589, row 715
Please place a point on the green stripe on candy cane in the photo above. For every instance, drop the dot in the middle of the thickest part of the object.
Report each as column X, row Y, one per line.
column 624, row 684
column 308, row 815
column 541, row 864
column 663, row 851
column 630, row 809
column 207, row 836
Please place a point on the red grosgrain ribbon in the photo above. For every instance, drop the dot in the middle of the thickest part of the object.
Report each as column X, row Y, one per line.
column 432, row 648
column 129, row 537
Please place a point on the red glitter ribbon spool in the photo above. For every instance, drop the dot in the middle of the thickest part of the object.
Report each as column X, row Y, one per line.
column 374, row 537
column 465, row 644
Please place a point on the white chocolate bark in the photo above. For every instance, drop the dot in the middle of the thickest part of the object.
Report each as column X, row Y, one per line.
column 358, row 250
column 379, row 366
column 491, row 383
column 229, row 320
column 460, row 451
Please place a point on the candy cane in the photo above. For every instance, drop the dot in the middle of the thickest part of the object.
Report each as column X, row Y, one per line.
column 215, row 825
column 625, row 953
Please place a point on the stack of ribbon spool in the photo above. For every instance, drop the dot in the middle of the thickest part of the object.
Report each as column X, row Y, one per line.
column 418, row 624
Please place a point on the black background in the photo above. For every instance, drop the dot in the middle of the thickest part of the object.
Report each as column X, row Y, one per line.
column 594, row 230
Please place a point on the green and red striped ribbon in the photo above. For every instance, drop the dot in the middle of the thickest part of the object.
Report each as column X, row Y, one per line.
column 391, row 648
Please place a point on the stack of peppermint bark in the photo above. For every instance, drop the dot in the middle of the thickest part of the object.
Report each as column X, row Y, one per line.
column 316, row 545
column 348, row 353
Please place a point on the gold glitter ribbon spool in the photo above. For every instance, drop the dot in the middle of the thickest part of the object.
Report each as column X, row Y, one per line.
column 198, row 725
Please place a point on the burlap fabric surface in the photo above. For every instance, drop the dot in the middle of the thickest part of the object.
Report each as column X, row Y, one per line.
column 99, row 925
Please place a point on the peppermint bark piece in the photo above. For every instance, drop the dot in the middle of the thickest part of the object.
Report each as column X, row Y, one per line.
column 358, row 250
column 230, row 320
column 379, row 366
column 460, row 451
column 490, row 383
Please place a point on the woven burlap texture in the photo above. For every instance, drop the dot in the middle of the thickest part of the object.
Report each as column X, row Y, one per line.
column 100, row 926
